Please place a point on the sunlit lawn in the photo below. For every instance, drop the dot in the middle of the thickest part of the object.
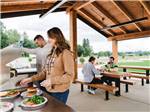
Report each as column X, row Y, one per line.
column 129, row 61
column 140, row 63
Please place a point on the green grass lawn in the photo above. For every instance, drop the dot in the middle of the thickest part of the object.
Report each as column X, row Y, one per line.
column 141, row 63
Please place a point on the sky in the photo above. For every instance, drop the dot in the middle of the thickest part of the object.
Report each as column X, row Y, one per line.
column 34, row 25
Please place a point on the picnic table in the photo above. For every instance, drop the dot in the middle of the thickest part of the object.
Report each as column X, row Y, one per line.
column 116, row 77
column 52, row 105
column 146, row 68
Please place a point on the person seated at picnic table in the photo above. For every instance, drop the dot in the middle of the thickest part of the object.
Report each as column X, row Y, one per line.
column 89, row 71
column 58, row 72
column 110, row 67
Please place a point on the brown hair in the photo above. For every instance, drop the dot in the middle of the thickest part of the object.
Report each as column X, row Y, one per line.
column 56, row 33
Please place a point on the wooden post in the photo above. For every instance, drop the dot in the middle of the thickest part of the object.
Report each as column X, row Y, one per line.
column 73, row 37
column 115, row 50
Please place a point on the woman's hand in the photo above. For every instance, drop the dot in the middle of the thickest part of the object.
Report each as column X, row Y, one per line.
column 46, row 83
column 25, row 81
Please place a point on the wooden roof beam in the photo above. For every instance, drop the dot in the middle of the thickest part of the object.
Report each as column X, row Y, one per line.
column 146, row 6
column 126, row 13
column 128, row 36
column 26, row 13
column 15, row 0
column 79, row 5
column 107, row 15
column 8, row 9
column 91, row 18
column 28, row 0
column 31, row 2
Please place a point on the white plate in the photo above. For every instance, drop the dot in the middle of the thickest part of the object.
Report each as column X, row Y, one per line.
column 24, row 94
column 9, row 97
column 31, row 107
column 6, row 106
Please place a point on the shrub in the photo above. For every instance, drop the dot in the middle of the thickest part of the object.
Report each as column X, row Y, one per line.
column 82, row 60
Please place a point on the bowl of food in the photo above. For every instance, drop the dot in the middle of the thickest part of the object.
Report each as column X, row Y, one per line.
column 31, row 91
column 6, row 106
column 8, row 95
column 34, row 103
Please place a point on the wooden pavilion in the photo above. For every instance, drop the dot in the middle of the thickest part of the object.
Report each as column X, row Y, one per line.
column 116, row 20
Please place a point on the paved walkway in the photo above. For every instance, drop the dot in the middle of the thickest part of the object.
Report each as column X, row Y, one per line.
column 137, row 100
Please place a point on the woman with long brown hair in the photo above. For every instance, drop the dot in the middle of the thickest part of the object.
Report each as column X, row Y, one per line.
column 58, row 72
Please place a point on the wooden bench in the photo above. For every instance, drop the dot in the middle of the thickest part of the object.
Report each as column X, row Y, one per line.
column 107, row 88
column 138, row 73
column 140, row 76
column 127, row 83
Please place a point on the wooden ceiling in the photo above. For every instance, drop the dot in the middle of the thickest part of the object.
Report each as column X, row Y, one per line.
column 97, row 14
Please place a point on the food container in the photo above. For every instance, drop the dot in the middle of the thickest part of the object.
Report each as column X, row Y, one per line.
column 6, row 107
column 33, row 107
column 24, row 94
column 10, row 97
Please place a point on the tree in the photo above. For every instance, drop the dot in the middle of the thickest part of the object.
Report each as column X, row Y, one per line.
column 13, row 36
column 4, row 37
column 28, row 43
column 87, row 48
column 82, row 60
column 8, row 36
column 3, row 40
column 104, row 53
column 80, row 50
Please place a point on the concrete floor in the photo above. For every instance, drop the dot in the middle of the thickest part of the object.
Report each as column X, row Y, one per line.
column 137, row 100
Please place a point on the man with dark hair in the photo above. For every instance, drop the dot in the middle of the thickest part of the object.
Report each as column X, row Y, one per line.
column 38, row 36
column 110, row 67
column 89, row 71
column 41, row 51
column 112, row 58
column 39, row 41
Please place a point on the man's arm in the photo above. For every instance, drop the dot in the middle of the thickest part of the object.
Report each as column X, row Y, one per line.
column 31, row 51
column 95, row 71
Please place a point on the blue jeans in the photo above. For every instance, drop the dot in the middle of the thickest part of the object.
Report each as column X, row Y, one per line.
column 61, row 96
